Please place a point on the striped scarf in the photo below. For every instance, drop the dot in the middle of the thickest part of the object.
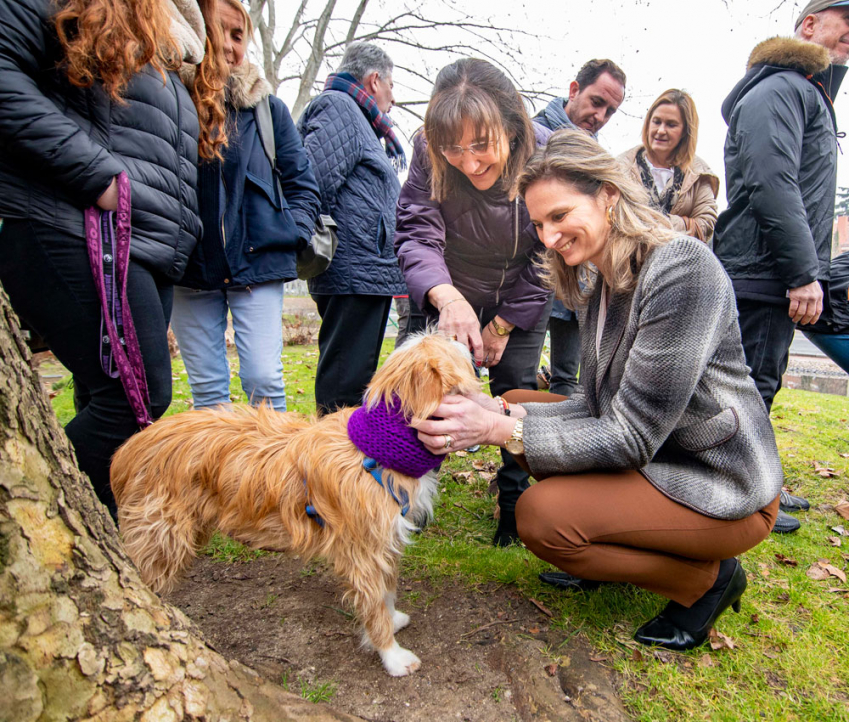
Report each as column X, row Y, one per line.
column 381, row 122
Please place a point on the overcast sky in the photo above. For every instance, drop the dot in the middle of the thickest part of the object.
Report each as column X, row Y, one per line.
column 700, row 46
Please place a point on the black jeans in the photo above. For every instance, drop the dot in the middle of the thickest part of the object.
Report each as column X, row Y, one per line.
column 767, row 332
column 349, row 342
column 47, row 275
column 565, row 355
column 516, row 370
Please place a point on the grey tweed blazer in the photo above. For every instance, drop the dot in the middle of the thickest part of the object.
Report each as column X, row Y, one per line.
column 669, row 393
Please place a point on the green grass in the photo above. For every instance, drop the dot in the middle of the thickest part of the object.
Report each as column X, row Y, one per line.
column 791, row 660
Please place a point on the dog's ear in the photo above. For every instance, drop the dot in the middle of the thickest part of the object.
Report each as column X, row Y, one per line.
column 420, row 374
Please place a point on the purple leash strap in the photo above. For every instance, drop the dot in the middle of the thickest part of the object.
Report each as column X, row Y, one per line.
column 109, row 255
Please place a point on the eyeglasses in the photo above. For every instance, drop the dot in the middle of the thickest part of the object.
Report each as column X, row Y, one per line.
column 455, row 152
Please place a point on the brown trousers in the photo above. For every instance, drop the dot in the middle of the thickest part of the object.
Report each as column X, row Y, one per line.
column 614, row 526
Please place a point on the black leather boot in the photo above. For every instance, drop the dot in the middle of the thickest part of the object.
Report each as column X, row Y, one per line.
column 681, row 628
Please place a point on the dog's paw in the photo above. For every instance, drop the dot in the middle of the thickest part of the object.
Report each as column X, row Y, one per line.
column 399, row 662
column 399, row 620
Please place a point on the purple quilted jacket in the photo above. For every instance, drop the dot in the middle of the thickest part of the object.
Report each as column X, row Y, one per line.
column 479, row 241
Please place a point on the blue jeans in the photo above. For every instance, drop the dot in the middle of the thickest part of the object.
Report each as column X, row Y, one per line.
column 199, row 320
column 833, row 345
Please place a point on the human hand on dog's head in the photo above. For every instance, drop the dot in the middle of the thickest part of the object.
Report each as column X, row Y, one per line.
column 463, row 422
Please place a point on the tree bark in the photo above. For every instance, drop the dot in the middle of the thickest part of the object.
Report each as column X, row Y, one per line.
column 81, row 637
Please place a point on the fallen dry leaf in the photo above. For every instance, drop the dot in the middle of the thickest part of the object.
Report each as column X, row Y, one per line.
column 461, row 453
column 534, row 630
column 300, row 391
column 842, row 508
column 834, row 571
column 786, row 561
column 718, row 640
column 755, row 619
column 845, row 456
column 663, row 656
column 825, row 471
column 486, row 475
column 478, row 464
column 461, row 476
column 551, row 669
column 545, row 610
column 600, row 658
column 840, row 530
column 822, row 570
column 636, row 656
column 817, row 573
column 706, row 660
column 835, row 541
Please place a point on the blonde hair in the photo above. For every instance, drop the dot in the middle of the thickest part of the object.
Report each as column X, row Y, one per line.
column 475, row 91
column 685, row 151
column 246, row 16
column 574, row 158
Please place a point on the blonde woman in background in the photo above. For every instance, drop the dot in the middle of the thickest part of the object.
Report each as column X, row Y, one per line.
column 679, row 183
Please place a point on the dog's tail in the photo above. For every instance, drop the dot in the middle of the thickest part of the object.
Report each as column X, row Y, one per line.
column 160, row 514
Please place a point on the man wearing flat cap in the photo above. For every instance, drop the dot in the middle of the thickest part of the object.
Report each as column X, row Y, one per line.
column 774, row 239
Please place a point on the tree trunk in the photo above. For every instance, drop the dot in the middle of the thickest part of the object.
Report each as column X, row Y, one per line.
column 81, row 637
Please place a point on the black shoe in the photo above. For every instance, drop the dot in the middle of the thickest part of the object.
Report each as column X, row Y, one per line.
column 506, row 533
column 788, row 502
column 785, row 524
column 664, row 632
column 564, row 580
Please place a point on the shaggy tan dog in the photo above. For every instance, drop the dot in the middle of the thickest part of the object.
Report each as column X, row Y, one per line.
column 252, row 473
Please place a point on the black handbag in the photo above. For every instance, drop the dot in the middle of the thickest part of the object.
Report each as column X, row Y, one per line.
column 315, row 257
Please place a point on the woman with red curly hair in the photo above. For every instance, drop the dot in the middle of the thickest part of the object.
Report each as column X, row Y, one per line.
column 105, row 105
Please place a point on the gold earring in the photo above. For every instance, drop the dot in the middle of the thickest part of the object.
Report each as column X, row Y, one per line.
column 610, row 217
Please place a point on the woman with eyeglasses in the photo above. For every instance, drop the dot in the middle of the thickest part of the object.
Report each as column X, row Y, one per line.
column 465, row 241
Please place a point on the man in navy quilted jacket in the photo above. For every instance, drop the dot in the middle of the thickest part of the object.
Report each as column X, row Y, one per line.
column 356, row 157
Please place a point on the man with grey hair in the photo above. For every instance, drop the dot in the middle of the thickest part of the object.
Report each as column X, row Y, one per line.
column 774, row 239
column 342, row 131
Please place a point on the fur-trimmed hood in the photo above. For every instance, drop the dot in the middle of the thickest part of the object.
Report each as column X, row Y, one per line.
column 246, row 87
column 807, row 58
column 782, row 55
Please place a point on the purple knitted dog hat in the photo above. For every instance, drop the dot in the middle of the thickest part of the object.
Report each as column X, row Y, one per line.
column 384, row 434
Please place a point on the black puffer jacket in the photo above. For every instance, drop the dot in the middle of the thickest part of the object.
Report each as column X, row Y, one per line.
column 781, row 170
column 62, row 144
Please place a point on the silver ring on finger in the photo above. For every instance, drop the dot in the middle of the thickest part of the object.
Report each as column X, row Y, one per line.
column 449, row 442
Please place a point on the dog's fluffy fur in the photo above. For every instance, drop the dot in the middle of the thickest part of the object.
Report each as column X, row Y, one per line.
column 242, row 470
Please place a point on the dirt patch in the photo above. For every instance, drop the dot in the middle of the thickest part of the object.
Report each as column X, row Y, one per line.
column 487, row 655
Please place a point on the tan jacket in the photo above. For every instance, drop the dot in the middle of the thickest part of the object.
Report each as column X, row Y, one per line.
column 694, row 210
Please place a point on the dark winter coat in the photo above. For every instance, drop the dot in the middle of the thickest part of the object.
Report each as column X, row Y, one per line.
column 781, row 166
column 481, row 242
column 553, row 116
column 359, row 188
column 251, row 233
column 63, row 144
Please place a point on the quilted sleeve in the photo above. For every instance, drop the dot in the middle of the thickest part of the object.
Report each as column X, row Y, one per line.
column 32, row 127
column 294, row 170
column 332, row 143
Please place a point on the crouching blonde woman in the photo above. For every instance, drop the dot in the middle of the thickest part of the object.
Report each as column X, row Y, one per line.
column 664, row 468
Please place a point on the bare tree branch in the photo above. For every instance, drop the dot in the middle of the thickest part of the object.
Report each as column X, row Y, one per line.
column 436, row 29
column 315, row 59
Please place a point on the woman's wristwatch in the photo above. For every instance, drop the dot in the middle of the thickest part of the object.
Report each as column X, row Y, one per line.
column 498, row 329
column 515, row 444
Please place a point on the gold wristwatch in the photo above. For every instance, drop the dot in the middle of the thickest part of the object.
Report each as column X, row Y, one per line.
column 499, row 329
column 515, row 444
